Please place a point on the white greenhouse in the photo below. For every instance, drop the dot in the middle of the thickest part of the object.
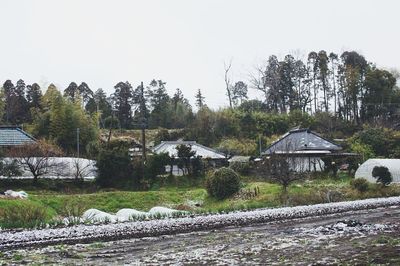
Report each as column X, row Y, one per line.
column 365, row 169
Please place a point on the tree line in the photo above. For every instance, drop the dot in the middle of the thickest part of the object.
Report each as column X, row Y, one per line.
column 348, row 86
column 327, row 92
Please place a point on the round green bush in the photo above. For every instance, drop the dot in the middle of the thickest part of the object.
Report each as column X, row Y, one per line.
column 223, row 183
column 360, row 184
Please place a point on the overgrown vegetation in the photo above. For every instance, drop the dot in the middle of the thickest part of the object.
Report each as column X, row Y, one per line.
column 17, row 214
column 360, row 184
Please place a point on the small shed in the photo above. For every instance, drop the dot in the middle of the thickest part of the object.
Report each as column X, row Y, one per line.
column 365, row 169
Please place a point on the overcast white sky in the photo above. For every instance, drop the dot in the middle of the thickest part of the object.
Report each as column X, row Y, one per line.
column 183, row 42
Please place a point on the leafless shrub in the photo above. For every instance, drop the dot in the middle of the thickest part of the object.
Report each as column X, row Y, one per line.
column 81, row 169
column 38, row 158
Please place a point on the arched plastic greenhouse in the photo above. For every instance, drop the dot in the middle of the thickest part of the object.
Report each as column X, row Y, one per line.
column 365, row 170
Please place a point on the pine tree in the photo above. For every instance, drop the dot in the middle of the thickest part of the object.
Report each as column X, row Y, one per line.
column 71, row 91
column 34, row 95
column 18, row 105
column 85, row 92
column 159, row 104
column 239, row 92
column 200, row 99
column 123, row 97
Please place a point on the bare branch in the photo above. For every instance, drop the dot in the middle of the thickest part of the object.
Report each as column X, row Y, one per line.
column 38, row 158
column 228, row 82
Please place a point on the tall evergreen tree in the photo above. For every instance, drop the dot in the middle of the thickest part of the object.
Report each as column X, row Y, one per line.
column 99, row 103
column 159, row 103
column 181, row 113
column 313, row 64
column 8, row 88
column 323, row 70
column 239, row 92
column 333, row 59
column 379, row 92
column 85, row 92
column 123, row 97
column 34, row 95
column 17, row 104
column 71, row 91
column 200, row 99
column 353, row 69
column 179, row 98
column 286, row 92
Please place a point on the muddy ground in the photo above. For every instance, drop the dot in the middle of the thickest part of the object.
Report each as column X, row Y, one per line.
column 361, row 237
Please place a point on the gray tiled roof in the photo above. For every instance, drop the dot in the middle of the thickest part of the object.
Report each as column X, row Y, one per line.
column 14, row 136
column 203, row 151
column 301, row 140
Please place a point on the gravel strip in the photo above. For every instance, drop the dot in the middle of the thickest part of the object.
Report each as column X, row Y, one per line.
column 89, row 233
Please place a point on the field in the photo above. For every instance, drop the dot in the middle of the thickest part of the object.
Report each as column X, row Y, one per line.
column 46, row 205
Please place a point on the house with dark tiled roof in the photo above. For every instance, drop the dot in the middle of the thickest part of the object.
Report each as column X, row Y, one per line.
column 11, row 136
column 302, row 141
column 308, row 149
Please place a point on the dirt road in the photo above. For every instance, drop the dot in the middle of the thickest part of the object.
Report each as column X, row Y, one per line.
column 358, row 237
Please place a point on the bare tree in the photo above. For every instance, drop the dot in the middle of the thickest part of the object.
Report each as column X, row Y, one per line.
column 284, row 167
column 81, row 168
column 228, row 82
column 38, row 158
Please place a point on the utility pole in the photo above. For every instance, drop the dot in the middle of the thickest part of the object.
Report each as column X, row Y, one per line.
column 143, row 123
column 77, row 141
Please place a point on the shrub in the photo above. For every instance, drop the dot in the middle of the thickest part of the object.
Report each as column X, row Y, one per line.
column 364, row 150
column 223, row 183
column 360, row 184
column 240, row 167
column 10, row 169
column 114, row 167
column 382, row 175
column 155, row 165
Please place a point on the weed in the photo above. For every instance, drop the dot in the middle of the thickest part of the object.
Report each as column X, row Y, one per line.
column 17, row 257
column 24, row 216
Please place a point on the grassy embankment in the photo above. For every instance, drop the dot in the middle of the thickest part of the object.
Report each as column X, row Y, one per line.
column 44, row 205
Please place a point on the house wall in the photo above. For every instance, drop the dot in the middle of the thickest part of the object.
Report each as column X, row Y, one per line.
column 176, row 171
column 306, row 164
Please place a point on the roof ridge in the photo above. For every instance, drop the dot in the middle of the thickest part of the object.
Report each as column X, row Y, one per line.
column 188, row 142
column 26, row 134
column 308, row 131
